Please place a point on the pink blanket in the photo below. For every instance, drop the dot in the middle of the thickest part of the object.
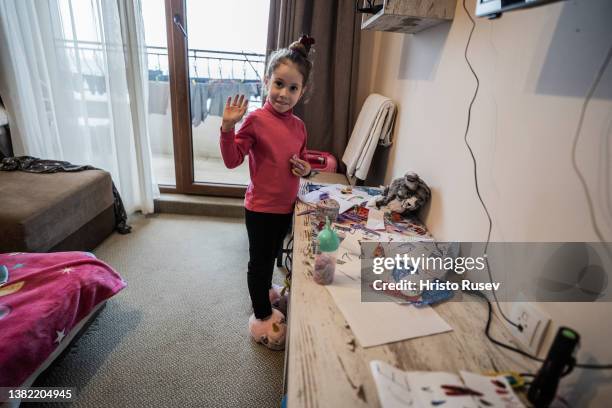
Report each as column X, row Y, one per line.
column 42, row 297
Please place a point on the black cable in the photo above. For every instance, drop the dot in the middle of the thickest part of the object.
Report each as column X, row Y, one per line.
column 516, row 350
column 594, row 366
column 488, row 328
column 467, row 129
column 289, row 257
column 587, row 99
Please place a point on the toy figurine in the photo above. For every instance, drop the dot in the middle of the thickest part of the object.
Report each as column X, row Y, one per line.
column 405, row 194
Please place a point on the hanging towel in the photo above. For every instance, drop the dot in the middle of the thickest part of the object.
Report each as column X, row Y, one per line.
column 374, row 126
column 220, row 91
column 159, row 92
column 196, row 103
column 95, row 83
column 204, row 96
column 199, row 102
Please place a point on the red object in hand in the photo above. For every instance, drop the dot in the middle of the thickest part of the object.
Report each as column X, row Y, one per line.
column 321, row 161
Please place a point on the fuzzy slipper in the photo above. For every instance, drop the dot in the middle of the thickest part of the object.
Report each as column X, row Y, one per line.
column 277, row 300
column 270, row 332
column 275, row 293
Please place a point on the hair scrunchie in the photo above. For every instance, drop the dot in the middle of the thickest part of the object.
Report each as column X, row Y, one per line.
column 307, row 42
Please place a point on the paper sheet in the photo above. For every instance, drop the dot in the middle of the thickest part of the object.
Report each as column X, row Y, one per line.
column 351, row 244
column 393, row 388
column 344, row 204
column 398, row 389
column 311, row 198
column 334, row 191
column 376, row 323
column 376, row 219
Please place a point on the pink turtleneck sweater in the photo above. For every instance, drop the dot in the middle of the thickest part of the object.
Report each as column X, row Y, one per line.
column 269, row 138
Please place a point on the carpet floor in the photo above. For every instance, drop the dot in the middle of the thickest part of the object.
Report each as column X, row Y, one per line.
column 177, row 335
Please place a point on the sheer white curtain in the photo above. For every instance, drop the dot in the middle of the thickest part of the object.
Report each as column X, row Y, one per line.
column 72, row 74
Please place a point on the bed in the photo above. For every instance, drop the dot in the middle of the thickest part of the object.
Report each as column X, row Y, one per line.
column 45, row 299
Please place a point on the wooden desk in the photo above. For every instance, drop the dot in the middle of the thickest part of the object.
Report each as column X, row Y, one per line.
column 326, row 367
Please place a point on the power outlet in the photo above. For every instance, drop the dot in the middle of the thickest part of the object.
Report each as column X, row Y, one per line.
column 534, row 322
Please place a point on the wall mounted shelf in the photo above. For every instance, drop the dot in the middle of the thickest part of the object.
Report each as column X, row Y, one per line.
column 409, row 16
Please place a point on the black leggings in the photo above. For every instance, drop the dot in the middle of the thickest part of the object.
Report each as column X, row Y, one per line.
column 266, row 234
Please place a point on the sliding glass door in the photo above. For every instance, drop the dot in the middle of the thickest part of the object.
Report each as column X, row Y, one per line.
column 159, row 104
column 214, row 49
column 226, row 54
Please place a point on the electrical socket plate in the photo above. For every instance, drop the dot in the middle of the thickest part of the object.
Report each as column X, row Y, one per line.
column 535, row 323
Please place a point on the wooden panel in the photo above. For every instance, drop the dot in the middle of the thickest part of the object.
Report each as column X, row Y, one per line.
column 408, row 16
column 326, row 366
column 179, row 95
column 440, row 9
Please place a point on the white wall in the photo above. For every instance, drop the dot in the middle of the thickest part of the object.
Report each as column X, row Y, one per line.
column 535, row 67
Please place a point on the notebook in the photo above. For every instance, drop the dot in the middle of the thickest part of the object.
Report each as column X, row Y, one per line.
column 400, row 389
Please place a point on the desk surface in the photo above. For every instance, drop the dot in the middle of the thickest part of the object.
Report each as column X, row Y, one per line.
column 326, row 367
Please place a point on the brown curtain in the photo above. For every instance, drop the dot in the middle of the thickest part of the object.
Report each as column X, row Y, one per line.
column 335, row 26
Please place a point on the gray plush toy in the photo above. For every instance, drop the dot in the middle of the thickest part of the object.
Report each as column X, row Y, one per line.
column 408, row 193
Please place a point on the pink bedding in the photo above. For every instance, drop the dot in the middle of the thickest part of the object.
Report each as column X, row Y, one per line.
column 42, row 297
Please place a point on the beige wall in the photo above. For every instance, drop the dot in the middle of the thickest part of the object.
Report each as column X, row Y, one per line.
column 535, row 67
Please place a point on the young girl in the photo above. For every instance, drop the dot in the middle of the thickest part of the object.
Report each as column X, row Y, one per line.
column 274, row 139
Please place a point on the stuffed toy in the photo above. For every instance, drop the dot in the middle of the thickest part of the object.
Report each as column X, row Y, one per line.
column 405, row 194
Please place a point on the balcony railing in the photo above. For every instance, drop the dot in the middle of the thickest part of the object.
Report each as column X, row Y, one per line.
column 86, row 58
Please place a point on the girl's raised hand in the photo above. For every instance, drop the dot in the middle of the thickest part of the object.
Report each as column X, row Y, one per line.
column 234, row 111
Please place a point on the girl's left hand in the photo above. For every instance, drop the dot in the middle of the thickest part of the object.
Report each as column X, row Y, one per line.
column 300, row 168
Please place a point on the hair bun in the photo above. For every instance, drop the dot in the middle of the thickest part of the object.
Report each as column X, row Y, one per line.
column 303, row 45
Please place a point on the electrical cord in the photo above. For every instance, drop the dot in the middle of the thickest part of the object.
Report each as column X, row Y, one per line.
column 289, row 257
column 583, row 183
column 521, row 352
column 590, row 93
column 488, row 328
column 467, row 129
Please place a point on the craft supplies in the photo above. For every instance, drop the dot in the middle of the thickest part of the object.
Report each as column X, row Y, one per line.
column 372, row 191
column 306, row 212
column 312, row 187
column 342, row 228
column 366, row 229
column 431, row 297
column 324, row 269
column 431, row 389
column 376, row 219
column 325, row 260
column 327, row 209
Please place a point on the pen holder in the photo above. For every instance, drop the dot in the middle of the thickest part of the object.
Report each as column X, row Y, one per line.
column 327, row 209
